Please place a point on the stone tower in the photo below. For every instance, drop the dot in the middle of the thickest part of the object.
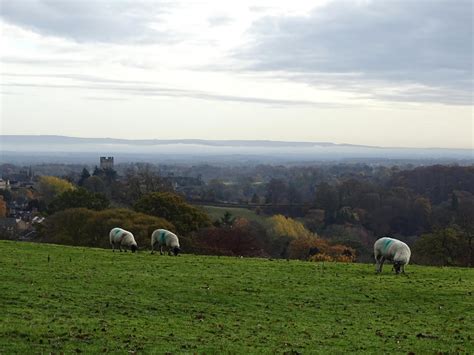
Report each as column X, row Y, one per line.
column 106, row 162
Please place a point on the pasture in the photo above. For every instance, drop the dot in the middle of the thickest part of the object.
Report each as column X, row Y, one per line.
column 215, row 213
column 72, row 299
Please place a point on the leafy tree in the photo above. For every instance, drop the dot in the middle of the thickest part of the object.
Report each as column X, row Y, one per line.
column 226, row 221
column 94, row 184
column 84, row 176
column 3, row 207
column 327, row 198
column 50, row 186
column 283, row 230
column 442, row 247
column 255, row 198
column 276, row 192
column 6, row 194
column 464, row 217
column 78, row 198
column 173, row 208
column 281, row 226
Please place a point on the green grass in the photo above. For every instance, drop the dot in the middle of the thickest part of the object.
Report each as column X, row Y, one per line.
column 93, row 300
column 216, row 213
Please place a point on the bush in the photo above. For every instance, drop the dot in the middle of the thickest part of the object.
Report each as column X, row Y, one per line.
column 316, row 249
column 444, row 247
column 84, row 227
column 76, row 199
column 243, row 239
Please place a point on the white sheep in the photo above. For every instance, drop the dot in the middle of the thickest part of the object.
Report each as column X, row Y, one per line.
column 122, row 238
column 163, row 237
column 393, row 250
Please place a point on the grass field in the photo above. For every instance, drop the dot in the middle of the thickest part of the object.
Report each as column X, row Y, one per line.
column 216, row 213
column 92, row 300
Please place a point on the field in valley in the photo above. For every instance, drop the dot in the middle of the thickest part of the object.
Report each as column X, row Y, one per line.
column 57, row 298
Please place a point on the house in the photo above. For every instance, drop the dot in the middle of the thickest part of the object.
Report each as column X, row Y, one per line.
column 4, row 184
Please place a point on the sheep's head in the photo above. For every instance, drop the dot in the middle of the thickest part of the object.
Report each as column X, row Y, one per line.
column 134, row 248
column 176, row 251
column 397, row 266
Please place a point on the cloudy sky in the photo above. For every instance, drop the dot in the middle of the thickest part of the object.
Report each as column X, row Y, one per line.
column 381, row 72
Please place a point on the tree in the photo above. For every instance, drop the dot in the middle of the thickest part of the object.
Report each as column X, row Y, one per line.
column 226, row 221
column 280, row 226
column 445, row 246
column 84, row 176
column 78, row 198
column 327, row 198
column 50, row 186
column 283, row 231
column 255, row 199
column 173, row 208
column 94, row 184
column 3, row 207
column 276, row 192
column 465, row 219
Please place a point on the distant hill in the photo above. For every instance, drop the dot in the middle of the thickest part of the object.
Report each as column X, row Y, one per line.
column 49, row 148
column 52, row 139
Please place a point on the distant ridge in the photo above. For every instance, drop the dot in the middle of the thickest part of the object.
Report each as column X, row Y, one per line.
column 53, row 148
column 56, row 139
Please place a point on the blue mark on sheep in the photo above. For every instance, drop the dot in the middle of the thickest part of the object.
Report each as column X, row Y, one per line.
column 162, row 237
column 386, row 244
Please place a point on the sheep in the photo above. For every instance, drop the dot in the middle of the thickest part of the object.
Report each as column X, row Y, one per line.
column 393, row 250
column 120, row 237
column 163, row 237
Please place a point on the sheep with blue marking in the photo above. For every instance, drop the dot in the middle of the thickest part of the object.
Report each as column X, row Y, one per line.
column 163, row 237
column 394, row 250
column 122, row 238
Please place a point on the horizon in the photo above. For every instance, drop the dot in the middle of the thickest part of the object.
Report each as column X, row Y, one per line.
column 383, row 73
column 171, row 140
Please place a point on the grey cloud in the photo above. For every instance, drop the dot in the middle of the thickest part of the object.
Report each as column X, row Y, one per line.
column 153, row 90
column 395, row 43
column 99, row 98
column 43, row 61
column 89, row 21
column 79, row 77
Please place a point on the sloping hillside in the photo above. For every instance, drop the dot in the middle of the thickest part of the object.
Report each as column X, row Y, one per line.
column 57, row 298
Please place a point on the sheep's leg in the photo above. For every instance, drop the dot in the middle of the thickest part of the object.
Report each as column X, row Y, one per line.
column 113, row 247
column 120, row 247
column 378, row 260
column 380, row 263
column 161, row 249
column 152, row 248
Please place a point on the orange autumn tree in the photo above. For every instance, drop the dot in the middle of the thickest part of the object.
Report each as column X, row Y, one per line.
column 305, row 245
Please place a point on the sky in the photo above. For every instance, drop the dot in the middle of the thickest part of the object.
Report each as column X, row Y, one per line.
column 395, row 73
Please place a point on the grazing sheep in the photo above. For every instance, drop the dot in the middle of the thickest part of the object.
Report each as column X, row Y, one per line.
column 122, row 238
column 392, row 250
column 163, row 237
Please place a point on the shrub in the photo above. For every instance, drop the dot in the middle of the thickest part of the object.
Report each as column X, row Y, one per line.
column 84, row 227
